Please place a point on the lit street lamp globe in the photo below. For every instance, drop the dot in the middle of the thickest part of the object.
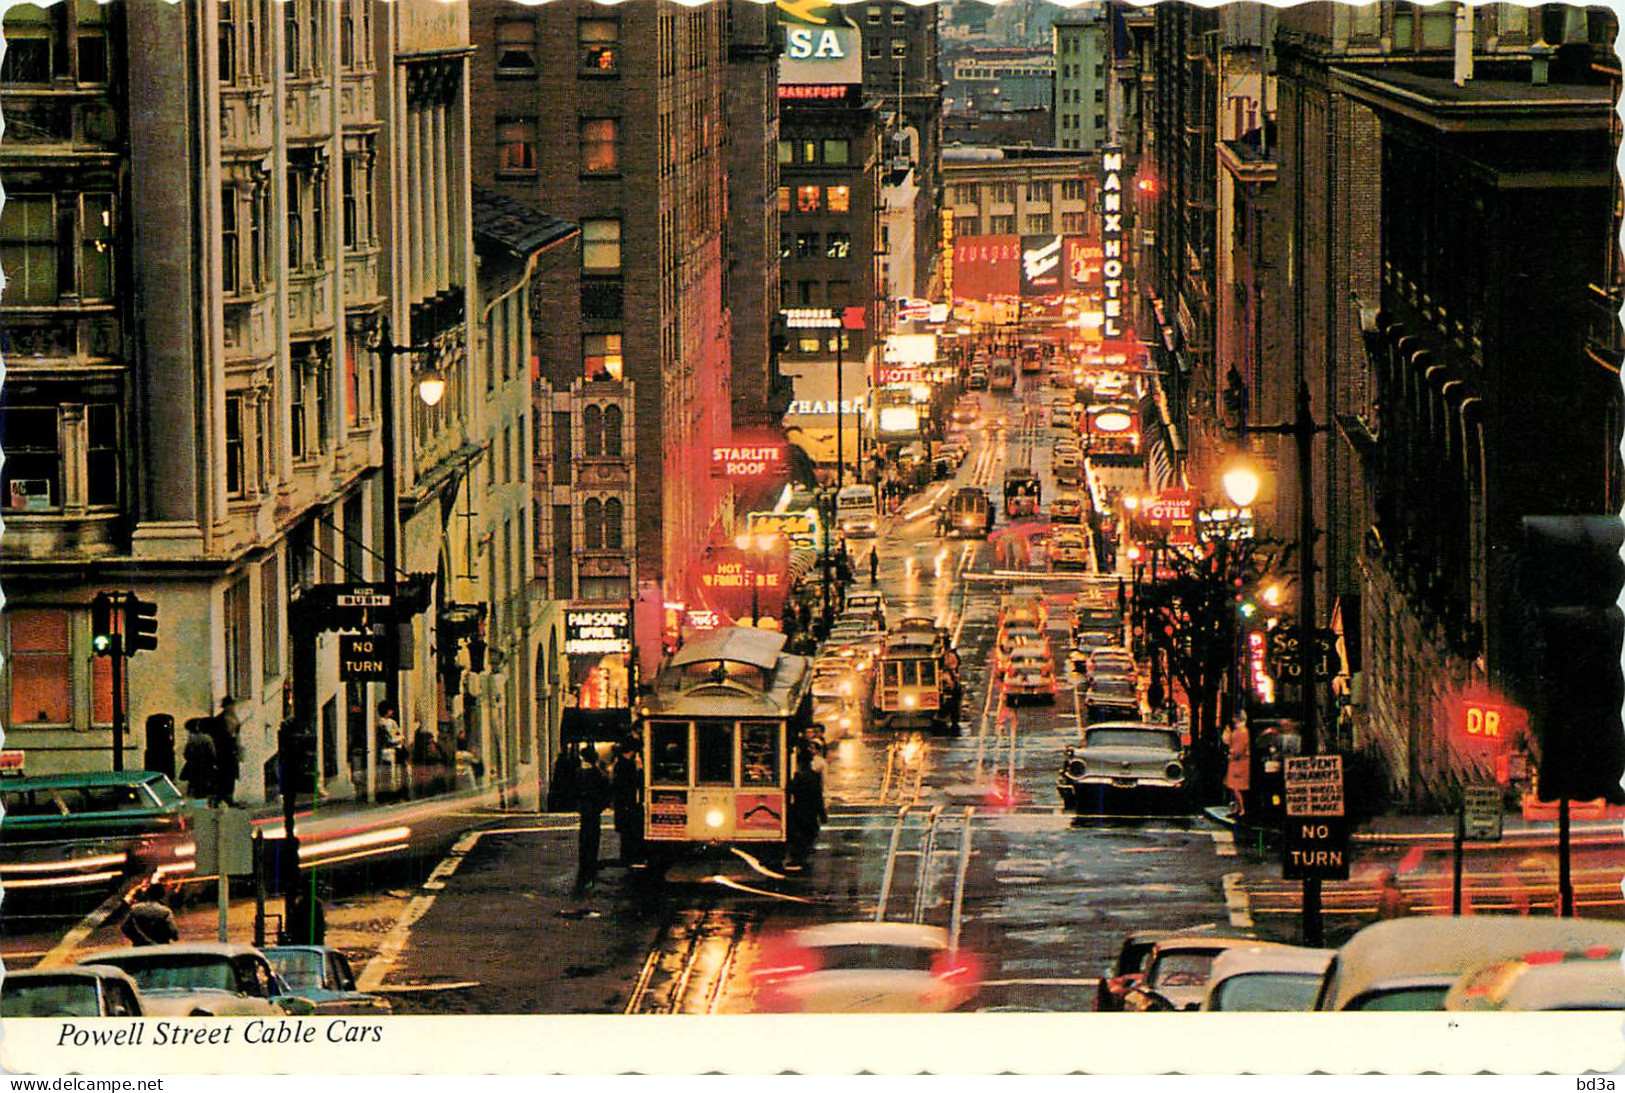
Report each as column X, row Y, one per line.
column 431, row 389
column 1241, row 486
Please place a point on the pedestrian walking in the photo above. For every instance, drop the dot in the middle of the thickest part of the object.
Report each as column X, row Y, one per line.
column 309, row 924
column 150, row 921
column 391, row 749
column 626, row 787
column 1238, row 768
column 592, row 793
column 198, row 768
column 227, row 755
column 874, row 564
column 1392, row 902
column 804, row 809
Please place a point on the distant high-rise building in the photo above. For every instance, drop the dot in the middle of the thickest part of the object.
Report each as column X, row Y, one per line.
column 1083, row 77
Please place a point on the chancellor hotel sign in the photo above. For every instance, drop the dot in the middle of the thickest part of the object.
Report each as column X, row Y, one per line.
column 1111, row 241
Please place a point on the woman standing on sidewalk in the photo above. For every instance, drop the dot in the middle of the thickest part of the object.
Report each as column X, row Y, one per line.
column 1238, row 769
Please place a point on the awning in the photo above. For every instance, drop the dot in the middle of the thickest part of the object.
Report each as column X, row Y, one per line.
column 802, row 561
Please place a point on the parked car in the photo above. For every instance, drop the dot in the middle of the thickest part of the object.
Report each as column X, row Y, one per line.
column 1068, row 468
column 1267, row 978
column 1550, row 979
column 1125, row 972
column 864, row 967
column 1029, row 673
column 321, row 976
column 1413, row 963
column 1121, row 756
column 1178, row 970
column 201, row 979
column 1067, row 507
column 978, row 379
column 70, row 992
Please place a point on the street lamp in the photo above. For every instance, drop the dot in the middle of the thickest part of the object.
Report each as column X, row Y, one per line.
column 1302, row 429
column 755, row 548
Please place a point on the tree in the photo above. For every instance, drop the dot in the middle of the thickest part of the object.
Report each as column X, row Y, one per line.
column 1192, row 616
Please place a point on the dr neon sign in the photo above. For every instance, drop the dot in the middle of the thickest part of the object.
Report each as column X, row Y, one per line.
column 1111, row 242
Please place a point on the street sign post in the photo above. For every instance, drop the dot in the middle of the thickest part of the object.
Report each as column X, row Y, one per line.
column 224, row 846
column 1478, row 820
column 363, row 657
column 1315, row 834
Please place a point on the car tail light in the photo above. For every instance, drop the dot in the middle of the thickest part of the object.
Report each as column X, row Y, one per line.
column 783, row 960
column 960, row 969
column 1544, row 956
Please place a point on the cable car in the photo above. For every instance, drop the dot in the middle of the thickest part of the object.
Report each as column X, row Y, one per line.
column 917, row 685
column 718, row 730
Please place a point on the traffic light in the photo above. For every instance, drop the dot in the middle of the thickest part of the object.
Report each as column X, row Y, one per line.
column 1247, row 609
column 101, row 624
column 140, row 625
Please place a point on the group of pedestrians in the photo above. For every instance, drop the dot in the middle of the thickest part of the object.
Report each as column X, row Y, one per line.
column 212, row 756
column 619, row 789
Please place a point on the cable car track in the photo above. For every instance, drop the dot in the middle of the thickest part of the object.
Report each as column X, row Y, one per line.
column 688, row 969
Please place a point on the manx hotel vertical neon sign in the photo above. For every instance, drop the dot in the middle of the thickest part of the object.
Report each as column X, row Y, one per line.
column 1111, row 241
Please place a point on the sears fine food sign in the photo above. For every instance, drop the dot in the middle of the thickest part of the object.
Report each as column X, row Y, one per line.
column 1111, row 242
column 597, row 631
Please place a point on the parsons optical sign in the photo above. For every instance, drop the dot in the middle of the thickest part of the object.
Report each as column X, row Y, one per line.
column 598, row 630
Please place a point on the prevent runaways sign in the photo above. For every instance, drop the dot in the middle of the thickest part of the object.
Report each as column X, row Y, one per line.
column 1315, row 831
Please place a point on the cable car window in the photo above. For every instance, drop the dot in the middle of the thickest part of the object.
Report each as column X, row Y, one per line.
column 714, row 754
column 759, row 753
column 893, row 673
column 668, row 750
column 928, row 673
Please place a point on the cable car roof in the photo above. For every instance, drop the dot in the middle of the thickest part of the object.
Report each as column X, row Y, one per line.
column 758, row 648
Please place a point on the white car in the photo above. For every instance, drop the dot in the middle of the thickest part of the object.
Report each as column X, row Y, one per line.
column 1121, row 757
column 1266, row 978
column 70, row 992
column 1587, row 979
column 864, row 967
column 205, row 979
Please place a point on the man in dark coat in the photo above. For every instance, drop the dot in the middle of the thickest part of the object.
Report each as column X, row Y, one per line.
column 150, row 921
column 227, row 755
column 804, row 809
column 627, row 790
column 592, row 794
column 198, row 767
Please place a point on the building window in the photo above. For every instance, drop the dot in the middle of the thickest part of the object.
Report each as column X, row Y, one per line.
column 784, row 199
column 32, row 471
column 516, row 146
column 807, row 245
column 600, row 246
column 1075, row 223
column 600, row 146
column 271, row 614
column 786, row 151
column 236, row 473
column 785, row 244
column 613, row 519
column 228, row 41
column 592, row 430
column 1004, row 193
column 592, row 519
column 612, row 431
column 40, row 663
column 840, row 199
column 290, row 37
column 103, row 448
column 239, row 676
column 1073, row 189
column 28, row 248
column 296, row 217
column 967, row 225
column 899, row 48
column 516, row 47
column 808, row 293
column 298, row 436
column 967, row 194
column 229, row 253
column 838, row 245
column 601, row 353
column 871, row 15
column 877, row 48
column 1002, row 225
column 1038, row 191
column 1038, row 223
column 808, row 199
column 838, row 151
column 600, row 46
column 899, row 16
column 28, row 46
column 350, row 208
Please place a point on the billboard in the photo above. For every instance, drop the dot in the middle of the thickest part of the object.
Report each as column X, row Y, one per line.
column 987, row 267
column 822, row 46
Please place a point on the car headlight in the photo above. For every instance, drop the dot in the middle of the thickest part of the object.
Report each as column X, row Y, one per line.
column 1076, row 768
column 1174, row 772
